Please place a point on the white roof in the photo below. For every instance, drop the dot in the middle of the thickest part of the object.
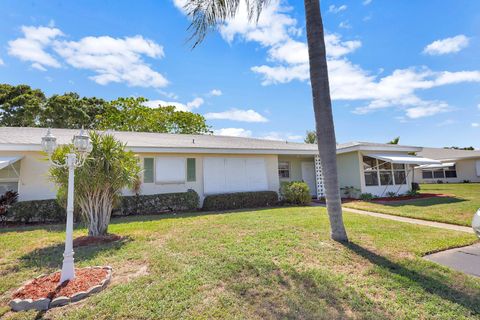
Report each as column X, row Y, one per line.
column 28, row 139
column 6, row 161
column 449, row 154
column 403, row 159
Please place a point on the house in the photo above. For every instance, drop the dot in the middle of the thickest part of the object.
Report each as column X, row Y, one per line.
column 456, row 166
column 212, row 164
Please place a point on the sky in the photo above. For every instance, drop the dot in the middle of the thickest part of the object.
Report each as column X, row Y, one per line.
column 396, row 68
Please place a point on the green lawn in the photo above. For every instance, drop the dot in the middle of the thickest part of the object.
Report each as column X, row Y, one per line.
column 457, row 209
column 262, row 264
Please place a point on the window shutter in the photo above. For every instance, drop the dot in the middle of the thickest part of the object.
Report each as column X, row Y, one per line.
column 191, row 170
column 148, row 170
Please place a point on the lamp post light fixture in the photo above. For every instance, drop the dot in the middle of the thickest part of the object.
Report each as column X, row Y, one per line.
column 74, row 159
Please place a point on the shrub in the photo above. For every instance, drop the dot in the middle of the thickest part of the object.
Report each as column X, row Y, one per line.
column 38, row 211
column 391, row 194
column 366, row 196
column 159, row 203
column 415, row 186
column 466, row 181
column 439, row 181
column 295, row 192
column 240, row 200
column 6, row 201
column 412, row 193
column 350, row 191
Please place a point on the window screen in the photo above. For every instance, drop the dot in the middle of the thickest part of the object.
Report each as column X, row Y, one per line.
column 427, row 174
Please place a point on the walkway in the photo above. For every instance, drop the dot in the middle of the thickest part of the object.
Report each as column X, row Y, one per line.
column 465, row 259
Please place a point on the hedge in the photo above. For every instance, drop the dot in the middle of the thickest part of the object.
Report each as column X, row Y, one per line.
column 240, row 200
column 159, row 203
column 37, row 211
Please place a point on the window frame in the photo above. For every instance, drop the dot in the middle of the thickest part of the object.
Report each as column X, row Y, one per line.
column 380, row 168
column 287, row 170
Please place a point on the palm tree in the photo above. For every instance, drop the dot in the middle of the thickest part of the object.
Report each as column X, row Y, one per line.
column 207, row 14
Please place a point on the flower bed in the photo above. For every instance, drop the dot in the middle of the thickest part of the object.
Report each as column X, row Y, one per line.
column 403, row 198
column 45, row 292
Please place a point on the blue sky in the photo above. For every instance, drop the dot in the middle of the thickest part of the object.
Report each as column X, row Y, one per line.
column 397, row 68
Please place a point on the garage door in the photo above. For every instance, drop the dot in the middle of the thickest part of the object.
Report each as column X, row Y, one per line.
column 223, row 175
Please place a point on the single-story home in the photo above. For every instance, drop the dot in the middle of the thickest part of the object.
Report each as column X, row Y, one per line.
column 212, row 164
column 456, row 166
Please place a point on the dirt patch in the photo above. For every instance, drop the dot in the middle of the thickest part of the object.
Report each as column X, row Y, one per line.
column 49, row 287
column 85, row 241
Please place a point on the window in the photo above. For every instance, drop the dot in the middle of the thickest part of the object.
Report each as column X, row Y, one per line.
column 170, row 170
column 284, row 169
column 427, row 174
column 191, row 170
column 438, row 174
column 148, row 170
column 378, row 172
column 8, row 186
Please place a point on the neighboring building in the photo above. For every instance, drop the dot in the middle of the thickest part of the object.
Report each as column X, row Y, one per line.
column 456, row 166
column 212, row 164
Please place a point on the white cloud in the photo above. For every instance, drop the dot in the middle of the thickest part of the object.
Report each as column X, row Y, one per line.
column 334, row 9
column 366, row 2
column 233, row 132
column 1, row 62
column 448, row 45
column 280, row 136
column 189, row 106
column 32, row 46
column 237, row 115
column 215, row 92
column 475, row 124
column 478, row 106
column 111, row 59
column 345, row 25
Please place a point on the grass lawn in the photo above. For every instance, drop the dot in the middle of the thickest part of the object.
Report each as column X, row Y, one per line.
column 263, row 264
column 457, row 209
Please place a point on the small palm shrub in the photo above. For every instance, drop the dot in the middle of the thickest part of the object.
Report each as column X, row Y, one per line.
column 6, row 201
column 391, row 194
column 366, row 196
column 295, row 192
column 350, row 191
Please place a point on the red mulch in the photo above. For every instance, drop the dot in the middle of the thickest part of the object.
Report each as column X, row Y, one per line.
column 48, row 286
column 418, row 196
column 89, row 241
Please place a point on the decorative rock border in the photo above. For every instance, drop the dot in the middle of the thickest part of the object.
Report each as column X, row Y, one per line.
column 45, row 303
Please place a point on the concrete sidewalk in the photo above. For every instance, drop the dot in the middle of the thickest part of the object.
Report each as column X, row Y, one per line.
column 465, row 259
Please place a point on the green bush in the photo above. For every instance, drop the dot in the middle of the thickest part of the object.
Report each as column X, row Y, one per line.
column 295, row 192
column 391, row 194
column 240, row 200
column 158, row 203
column 37, row 211
column 366, row 196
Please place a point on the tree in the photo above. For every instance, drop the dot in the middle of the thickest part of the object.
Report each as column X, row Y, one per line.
column 20, row 106
column 99, row 182
column 131, row 114
column 394, row 141
column 206, row 14
column 311, row 137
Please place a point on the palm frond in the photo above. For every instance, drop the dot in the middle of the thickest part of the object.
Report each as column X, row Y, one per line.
column 206, row 15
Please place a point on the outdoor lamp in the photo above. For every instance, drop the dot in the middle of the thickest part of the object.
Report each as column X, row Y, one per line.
column 49, row 143
column 74, row 159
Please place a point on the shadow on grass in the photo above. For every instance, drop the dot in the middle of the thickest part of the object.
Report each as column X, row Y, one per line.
column 421, row 202
column 51, row 256
column 433, row 284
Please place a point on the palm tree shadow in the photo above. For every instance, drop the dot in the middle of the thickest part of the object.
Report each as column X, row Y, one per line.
column 432, row 283
column 51, row 256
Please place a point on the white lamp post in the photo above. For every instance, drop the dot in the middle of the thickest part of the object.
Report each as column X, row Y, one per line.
column 83, row 147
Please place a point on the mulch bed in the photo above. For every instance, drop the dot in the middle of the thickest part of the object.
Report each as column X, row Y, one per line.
column 48, row 286
column 89, row 241
column 418, row 196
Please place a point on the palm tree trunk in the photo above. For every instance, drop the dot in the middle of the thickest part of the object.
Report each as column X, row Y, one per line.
column 322, row 106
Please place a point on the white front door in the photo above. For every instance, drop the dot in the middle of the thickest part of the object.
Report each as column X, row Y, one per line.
column 308, row 176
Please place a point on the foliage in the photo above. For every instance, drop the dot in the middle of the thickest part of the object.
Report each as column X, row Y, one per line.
column 350, row 191
column 159, row 203
column 240, row 200
column 394, row 141
column 466, row 181
column 460, row 148
column 37, row 211
column 22, row 106
column 131, row 114
column 415, row 186
column 6, row 201
column 311, row 137
column 412, row 193
column 295, row 192
column 392, row 194
column 98, row 183
column 366, row 196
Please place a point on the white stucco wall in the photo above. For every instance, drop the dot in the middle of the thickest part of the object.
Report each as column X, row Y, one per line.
column 348, row 165
column 466, row 170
